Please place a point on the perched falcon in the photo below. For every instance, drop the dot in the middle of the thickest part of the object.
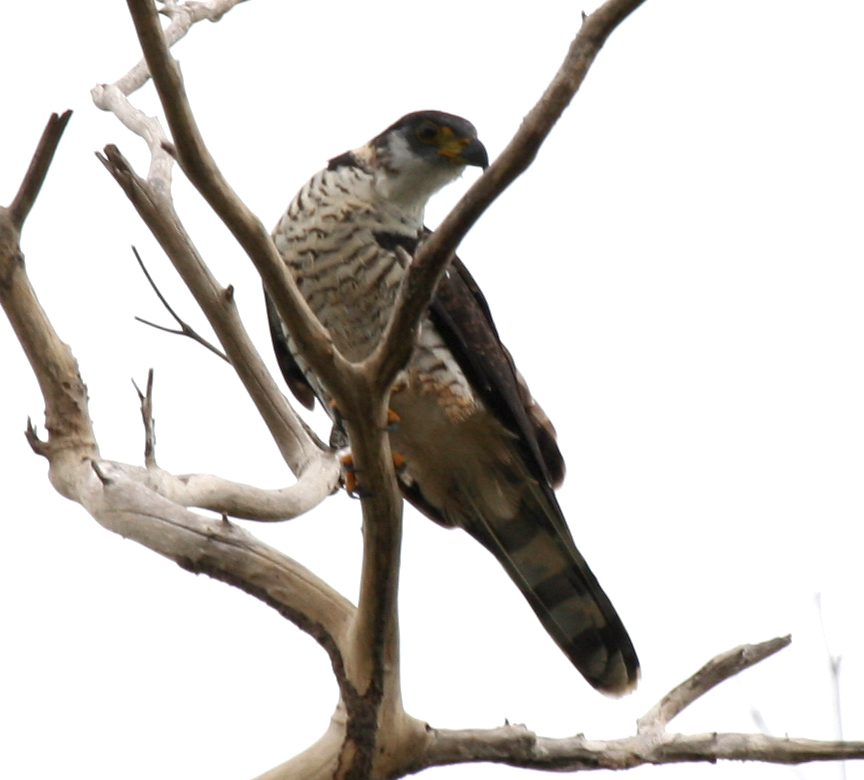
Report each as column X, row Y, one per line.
column 479, row 452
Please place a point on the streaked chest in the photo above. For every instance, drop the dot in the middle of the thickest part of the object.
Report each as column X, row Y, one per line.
column 330, row 239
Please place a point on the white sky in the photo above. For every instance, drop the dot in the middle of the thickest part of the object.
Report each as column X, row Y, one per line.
column 679, row 276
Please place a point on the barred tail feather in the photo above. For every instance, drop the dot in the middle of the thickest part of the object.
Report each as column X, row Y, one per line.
column 541, row 558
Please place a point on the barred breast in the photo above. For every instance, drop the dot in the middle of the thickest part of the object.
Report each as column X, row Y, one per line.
column 327, row 239
column 330, row 238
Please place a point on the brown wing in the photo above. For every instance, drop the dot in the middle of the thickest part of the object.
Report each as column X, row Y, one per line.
column 291, row 371
column 462, row 316
column 533, row 544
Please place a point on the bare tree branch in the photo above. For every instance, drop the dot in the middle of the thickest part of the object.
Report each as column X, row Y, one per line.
column 154, row 206
column 183, row 16
column 312, row 339
column 52, row 361
column 119, row 496
column 373, row 666
column 119, row 501
column 112, row 97
column 434, row 254
column 146, row 400
column 126, row 500
column 152, row 198
column 518, row 746
column 717, row 670
column 32, row 183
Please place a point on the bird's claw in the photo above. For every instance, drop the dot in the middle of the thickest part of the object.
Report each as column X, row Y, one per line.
column 349, row 474
column 393, row 420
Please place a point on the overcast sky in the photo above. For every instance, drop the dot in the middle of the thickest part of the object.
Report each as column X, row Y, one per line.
column 680, row 277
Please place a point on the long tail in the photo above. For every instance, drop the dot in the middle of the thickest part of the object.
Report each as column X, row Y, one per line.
column 538, row 552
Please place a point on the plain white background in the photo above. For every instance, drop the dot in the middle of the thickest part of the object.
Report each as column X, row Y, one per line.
column 679, row 277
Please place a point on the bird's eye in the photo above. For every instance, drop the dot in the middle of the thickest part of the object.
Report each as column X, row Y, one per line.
column 427, row 132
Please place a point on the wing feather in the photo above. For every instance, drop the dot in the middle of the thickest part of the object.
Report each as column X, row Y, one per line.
column 291, row 371
column 461, row 314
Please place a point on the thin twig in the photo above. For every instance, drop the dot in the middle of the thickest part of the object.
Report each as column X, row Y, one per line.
column 185, row 329
column 713, row 673
column 146, row 400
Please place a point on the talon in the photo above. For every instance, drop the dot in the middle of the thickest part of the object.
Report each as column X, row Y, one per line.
column 349, row 478
column 349, row 475
column 393, row 420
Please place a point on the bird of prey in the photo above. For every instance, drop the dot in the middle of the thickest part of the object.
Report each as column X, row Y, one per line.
column 479, row 453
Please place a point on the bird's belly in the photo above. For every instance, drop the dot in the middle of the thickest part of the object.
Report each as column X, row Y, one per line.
column 460, row 462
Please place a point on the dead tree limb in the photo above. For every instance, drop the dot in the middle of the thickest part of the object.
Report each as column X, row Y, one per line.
column 652, row 744
column 52, row 361
column 129, row 500
column 370, row 689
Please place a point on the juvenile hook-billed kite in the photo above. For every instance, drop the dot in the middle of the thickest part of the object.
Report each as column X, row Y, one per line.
column 479, row 452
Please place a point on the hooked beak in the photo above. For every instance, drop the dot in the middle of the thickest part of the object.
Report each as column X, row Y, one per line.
column 475, row 154
column 466, row 151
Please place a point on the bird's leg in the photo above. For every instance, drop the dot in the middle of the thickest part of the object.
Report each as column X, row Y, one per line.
column 349, row 477
column 349, row 473
column 393, row 418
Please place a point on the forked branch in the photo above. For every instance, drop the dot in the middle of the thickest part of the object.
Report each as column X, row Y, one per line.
column 135, row 501
column 652, row 744
column 183, row 328
column 370, row 690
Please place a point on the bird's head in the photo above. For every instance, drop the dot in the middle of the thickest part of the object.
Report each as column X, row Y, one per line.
column 432, row 139
column 423, row 152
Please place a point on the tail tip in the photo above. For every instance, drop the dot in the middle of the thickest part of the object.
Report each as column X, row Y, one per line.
column 619, row 678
